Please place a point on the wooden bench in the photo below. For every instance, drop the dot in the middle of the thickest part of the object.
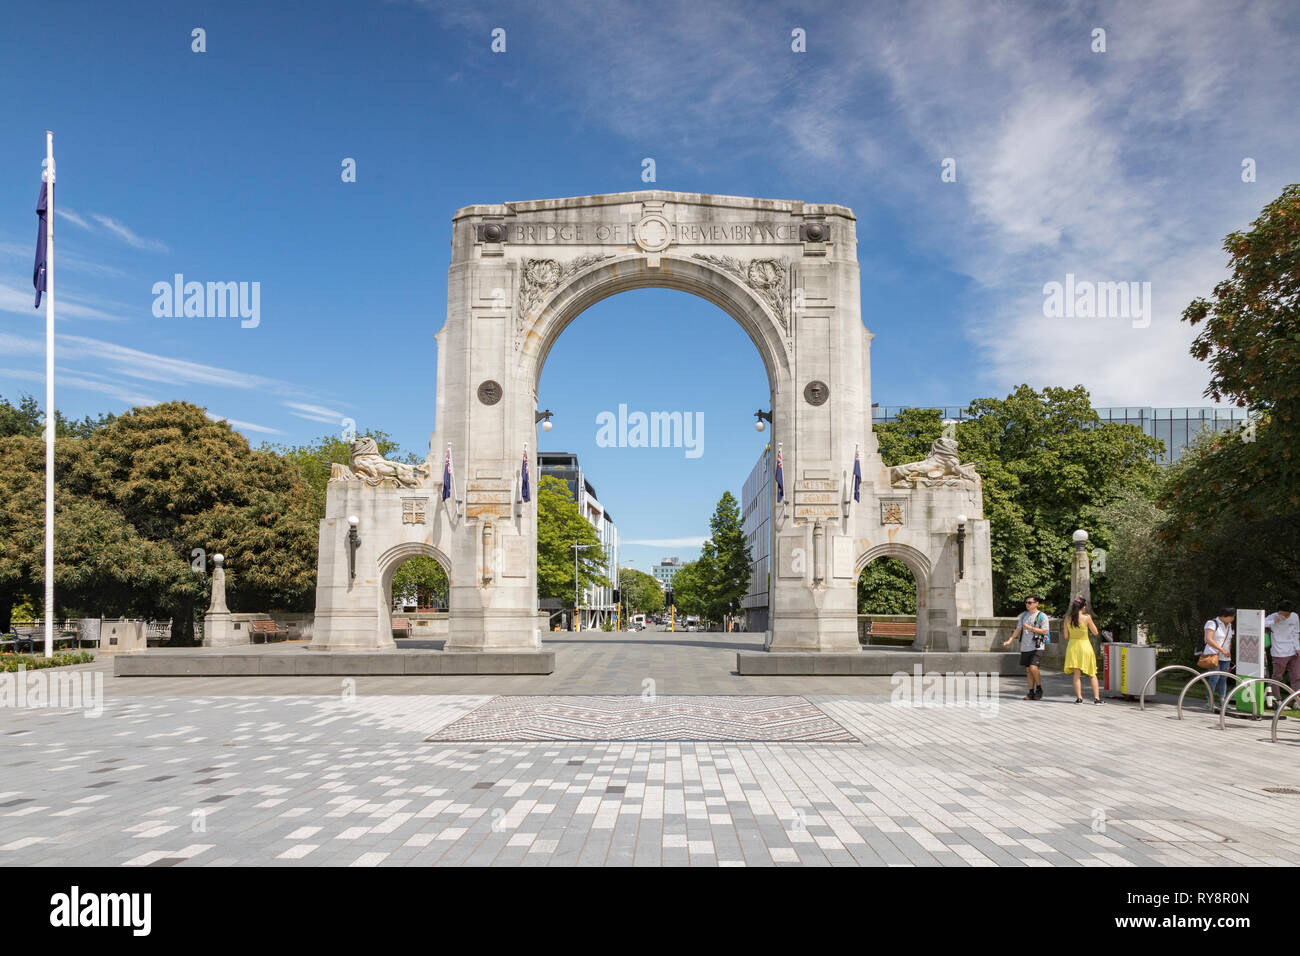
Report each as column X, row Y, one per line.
column 401, row 627
column 34, row 642
column 267, row 629
column 893, row 629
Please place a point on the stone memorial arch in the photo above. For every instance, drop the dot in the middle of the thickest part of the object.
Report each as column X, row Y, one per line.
column 520, row 273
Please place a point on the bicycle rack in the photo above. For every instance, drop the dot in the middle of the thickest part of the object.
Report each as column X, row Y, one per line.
column 1142, row 697
column 1223, row 710
column 1278, row 714
column 1205, row 676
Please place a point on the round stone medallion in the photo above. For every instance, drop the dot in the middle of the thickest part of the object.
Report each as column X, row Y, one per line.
column 494, row 232
column 653, row 234
column 816, row 393
column 489, row 393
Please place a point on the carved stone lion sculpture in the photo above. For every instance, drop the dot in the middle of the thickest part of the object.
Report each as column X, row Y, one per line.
column 941, row 466
column 374, row 469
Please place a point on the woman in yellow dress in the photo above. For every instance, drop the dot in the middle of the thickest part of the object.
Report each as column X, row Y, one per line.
column 1079, row 657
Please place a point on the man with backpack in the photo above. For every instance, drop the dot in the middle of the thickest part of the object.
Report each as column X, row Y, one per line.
column 1033, row 632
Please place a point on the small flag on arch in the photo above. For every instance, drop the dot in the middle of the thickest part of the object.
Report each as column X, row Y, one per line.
column 780, row 479
column 527, row 493
column 857, row 473
column 446, row 476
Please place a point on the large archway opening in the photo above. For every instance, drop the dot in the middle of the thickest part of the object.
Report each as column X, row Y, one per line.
column 654, row 392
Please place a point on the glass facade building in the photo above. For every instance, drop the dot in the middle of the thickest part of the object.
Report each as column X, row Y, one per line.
column 1176, row 427
column 756, row 525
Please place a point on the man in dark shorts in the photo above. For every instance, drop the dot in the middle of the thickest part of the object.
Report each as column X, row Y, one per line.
column 1032, row 630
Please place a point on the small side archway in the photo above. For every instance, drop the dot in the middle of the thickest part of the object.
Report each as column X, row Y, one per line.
column 918, row 562
column 388, row 563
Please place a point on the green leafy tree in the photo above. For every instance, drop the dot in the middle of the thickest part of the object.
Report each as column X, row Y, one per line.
column 886, row 586
column 421, row 581
column 1250, row 338
column 1224, row 528
column 560, row 525
column 27, row 418
column 729, row 561
column 101, row 562
column 640, row 592
column 691, row 589
column 1047, row 463
column 186, row 482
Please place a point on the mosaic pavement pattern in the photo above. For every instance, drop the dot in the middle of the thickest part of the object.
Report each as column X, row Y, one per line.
column 613, row 718
column 311, row 781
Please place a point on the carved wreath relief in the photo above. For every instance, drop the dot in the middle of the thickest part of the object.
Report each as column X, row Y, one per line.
column 767, row 277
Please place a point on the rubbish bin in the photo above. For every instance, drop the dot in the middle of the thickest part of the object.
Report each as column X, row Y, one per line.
column 1126, row 668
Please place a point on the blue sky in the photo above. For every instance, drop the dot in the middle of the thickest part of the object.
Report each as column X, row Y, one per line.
column 225, row 166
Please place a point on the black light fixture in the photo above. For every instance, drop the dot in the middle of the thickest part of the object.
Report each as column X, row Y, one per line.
column 761, row 417
column 354, row 542
column 961, row 547
column 544, row 418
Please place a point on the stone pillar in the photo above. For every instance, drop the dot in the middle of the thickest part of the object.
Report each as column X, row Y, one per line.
column 1080, row 571
column 217, row 629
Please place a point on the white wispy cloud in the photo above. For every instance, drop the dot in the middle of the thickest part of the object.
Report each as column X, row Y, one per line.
column 130, row 238
column 150, row 366
column 65, row 379
column 245, row 426
column 22, row 302
column 670, row 542
column 1120, row 166
column 71, row 216
column 315, row 413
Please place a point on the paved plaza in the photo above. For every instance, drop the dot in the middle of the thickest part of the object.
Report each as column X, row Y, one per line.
column 701, row 767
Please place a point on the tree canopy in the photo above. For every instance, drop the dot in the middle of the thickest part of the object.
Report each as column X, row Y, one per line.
column 135, row 497
column 560, row 525
column 640, row 591
column 1047, row 463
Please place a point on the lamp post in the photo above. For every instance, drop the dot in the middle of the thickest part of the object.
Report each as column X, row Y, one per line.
column 354, row 542
column 544, row 418
column 762, row 417
column 961, row 547
column 577, row 591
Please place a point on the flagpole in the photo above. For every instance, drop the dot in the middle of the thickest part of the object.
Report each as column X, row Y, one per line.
column 49, row 394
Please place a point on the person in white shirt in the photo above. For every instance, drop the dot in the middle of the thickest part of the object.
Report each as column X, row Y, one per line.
column 1284, row 624
column 1218, row 640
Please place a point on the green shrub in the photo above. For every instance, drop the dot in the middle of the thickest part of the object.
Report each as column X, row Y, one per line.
column 14, row 662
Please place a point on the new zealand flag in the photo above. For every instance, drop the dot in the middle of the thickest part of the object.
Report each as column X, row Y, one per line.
column 527, row 493
column 38, row 274
column 780, row 479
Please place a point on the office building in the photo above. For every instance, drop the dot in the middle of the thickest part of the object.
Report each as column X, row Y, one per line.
column 597, row 604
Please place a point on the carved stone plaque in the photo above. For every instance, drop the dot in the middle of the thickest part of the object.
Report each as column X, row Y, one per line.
column 413, row 510
column 893, row 511
column 489, row 393
column 816, row 393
